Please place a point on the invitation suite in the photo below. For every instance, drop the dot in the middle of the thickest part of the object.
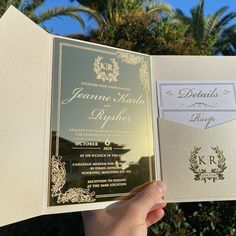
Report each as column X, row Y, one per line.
column 83, row 124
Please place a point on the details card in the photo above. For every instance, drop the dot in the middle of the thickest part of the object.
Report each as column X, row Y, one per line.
column 197, row 103
column 196, row 95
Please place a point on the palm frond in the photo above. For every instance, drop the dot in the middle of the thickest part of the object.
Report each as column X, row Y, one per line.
column 77, row 17
column 226, row 19
column 15, row 3
column 161, row 8
column 3, row 7
column 226, row 46
column 230, row 30
column 22, row 4
column 91, row 12
column 181, row 17
column 198, row 21
column 64, row 11
column 210, row 29
column 32, row 5
column 229, row 51
column 128, row 5
column 212, row 21
column 117, row 10
column 228, row 38
column 5, row 4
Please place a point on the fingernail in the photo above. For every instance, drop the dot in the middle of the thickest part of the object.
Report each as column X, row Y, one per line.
column 161, row 186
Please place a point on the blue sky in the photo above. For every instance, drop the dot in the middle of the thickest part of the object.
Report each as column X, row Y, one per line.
column 210, row 5
column 67, row 25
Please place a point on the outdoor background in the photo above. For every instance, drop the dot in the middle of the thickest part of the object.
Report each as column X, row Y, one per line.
column 171, row 27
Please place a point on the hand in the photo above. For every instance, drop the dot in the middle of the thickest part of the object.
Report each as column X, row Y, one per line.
column 130, row 217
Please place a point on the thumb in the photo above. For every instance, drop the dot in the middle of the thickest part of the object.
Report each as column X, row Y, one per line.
column 150, row 196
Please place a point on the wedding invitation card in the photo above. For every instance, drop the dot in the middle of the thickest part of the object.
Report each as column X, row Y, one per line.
column 101, row 133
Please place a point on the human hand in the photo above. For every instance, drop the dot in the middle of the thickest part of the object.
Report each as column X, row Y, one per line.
column 128, row 218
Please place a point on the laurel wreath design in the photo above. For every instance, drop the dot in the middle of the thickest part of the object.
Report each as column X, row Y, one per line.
column 58, row 179
column 101, row 75
column 215, row 173
column 127, row 58
column 221, row 162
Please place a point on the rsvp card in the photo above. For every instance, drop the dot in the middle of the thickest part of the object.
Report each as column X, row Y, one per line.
column 202, row 104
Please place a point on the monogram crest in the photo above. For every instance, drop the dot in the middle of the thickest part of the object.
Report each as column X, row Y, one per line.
column 106, row 71
column 207, row 167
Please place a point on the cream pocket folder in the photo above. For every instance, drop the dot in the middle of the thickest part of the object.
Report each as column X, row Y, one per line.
column 81, row 124
column 198, row 162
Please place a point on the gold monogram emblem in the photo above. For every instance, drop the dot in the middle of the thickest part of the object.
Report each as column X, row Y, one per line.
column 207, row 167
column 106, row 71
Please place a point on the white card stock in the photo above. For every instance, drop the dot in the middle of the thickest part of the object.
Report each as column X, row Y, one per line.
column 202, row 104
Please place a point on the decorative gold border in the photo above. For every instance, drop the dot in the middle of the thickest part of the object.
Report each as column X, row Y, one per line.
column 58, row 178
column 144, row 76
column 130, row 58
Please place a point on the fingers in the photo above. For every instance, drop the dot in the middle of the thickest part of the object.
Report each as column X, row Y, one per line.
column 135, row 191
column 154, row 216
column 158, row 206
column 149, row 197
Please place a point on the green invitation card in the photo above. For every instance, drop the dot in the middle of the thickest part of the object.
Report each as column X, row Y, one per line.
column 101, row 134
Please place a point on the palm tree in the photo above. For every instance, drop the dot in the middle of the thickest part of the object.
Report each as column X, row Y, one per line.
column 116, row 11
column 214, row 29
column 29, row 8
column 98, row 6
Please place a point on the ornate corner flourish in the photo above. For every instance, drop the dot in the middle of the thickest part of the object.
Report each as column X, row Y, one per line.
column 58, row 179
column 130, row 58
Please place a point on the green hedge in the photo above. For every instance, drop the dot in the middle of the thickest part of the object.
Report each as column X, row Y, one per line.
column 206, row 219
